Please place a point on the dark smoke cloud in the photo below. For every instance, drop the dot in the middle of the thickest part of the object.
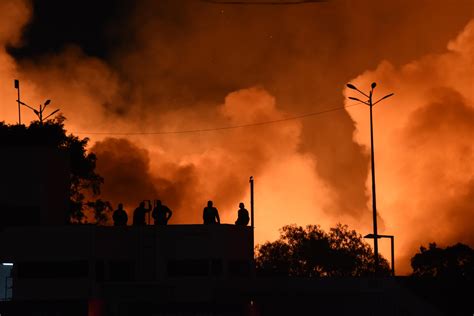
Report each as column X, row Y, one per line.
column 444, row 176
column 187, row 53
column 190, row 65
column 126, row 170
column 129, row 179
column 187, row 180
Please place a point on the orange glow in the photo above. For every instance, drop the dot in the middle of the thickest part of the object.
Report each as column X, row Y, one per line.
column 206, row 68
column 425, row 148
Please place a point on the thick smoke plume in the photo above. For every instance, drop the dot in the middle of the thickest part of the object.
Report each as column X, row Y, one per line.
column 192, row 65
column 424, row 146
column 13, row 16
column 185, row 181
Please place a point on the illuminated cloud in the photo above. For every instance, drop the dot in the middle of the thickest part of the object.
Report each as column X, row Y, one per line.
column 424, row 147
column 192, row 65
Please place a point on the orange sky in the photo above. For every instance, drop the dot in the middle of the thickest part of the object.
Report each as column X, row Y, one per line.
column 193, row 65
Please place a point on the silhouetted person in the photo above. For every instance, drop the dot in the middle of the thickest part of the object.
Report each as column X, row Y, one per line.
column 139, row 214
column 120, row 217
column 242, row 215
column 161, row 213
column 210, row 214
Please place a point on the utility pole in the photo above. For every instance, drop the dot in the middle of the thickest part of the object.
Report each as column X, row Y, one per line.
column 370, row 103
column 374, row 199
column 251, row 203
column 252, row 223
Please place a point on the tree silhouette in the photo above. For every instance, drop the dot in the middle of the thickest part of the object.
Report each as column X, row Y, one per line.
column 311, row 252
column 455, row 261
column 101, row 210
column 83, row 178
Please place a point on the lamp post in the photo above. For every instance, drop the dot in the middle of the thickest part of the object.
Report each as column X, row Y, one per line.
column 39, row 112
column 392, row 248
column 370, row 103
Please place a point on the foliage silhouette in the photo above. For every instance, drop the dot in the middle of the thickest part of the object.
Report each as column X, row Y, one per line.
column 83, row 178
column 311, row 252
column 455, row 261
column 101, row 210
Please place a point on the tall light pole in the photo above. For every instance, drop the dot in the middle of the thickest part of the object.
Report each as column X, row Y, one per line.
column 370, row 103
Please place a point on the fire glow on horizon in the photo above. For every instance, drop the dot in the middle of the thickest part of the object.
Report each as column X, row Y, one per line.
column 207, row 68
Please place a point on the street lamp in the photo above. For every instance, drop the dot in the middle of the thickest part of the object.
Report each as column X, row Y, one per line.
column 370, row 103
column 39, row 112
column 392, row 248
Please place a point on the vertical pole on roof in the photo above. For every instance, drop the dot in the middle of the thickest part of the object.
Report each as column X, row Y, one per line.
column 252, row 223
column 251, row 204
column 17, row 87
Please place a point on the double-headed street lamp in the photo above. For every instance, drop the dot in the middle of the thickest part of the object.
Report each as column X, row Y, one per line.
column 39, row 112
column 370, row 103
column 41, row 107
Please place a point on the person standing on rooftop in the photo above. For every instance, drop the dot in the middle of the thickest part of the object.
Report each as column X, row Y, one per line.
column 120, row 217
column 161, row 213
column 139, row 214
column 210, row 214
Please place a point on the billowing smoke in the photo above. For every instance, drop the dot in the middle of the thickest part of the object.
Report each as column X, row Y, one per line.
column 188, row 65
column 13, row 16
column 126, row 169
column 186, row 179
column 424, row 146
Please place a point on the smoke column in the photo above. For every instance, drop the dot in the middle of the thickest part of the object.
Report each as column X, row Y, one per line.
column 191, row 65
column 424, row 146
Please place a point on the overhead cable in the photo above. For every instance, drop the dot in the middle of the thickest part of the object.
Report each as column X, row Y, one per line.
column 212, row 129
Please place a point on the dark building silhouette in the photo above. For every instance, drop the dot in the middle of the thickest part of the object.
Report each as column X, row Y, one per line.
column 34, row 185
column 90, row 270
column 176, row 265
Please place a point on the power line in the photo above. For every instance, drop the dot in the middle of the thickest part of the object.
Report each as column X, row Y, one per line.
column 222, row 127
column 263, row 2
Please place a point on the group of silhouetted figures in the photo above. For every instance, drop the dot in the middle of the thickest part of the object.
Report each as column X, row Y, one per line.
column 162, row 213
